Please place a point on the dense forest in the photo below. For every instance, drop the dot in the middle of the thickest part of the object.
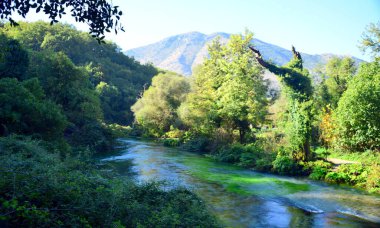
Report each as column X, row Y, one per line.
column 63, row 99
column 226, row 111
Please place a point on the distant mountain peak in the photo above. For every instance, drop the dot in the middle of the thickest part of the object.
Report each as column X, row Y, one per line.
column 181, row 53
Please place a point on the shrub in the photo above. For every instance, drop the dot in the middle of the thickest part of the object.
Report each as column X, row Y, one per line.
column 285, row 165
column 171, row 142
column 373, row 179
column 322, row 152
column 197, row 144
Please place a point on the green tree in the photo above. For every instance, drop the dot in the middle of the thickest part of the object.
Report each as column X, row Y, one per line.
column 110, row 99
column 371, row 40
column 339, row 72
column 156, row 110
column 103, row 62
column 13, row 58
column 229, row 90
column 24, row 110
column 298, row 87
column 358, row 112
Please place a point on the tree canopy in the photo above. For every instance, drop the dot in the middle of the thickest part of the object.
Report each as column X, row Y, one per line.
column 100, row 15
column 371, row 40
column 228, row 91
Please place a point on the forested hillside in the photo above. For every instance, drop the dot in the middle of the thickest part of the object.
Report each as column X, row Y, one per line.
column 117, row 77
column 62, row 95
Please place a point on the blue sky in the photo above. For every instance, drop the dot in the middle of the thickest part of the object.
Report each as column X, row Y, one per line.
column 312, row 26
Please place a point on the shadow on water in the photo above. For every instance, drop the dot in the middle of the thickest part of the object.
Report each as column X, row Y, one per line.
column 244, row 198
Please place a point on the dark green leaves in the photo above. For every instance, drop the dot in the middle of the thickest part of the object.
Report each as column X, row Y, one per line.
column 100, row 15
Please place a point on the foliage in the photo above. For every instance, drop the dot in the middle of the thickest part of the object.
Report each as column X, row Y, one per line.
column 37, row 188
column 358, row 113
column 120, row 131
column 366, row 157
column 24, row 110
column 228, row 91
column 250, row 155
column 327, row 127
column 286, row 165
column 100, row 16
column 102, row 63
column 298, row 88
column 319, row 169
column 13, row 58
column 339, row 71
column 171, row 142
column 371, row 40
column 156, row 110
column 199, row 143
column 322, row 152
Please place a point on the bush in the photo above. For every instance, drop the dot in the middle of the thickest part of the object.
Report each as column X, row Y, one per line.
column 197, row 144
column 373, row 179
column 322, row 152
column 249, row 156
column 319, row 169
column 119, row 131
column 337, row 177
column 285, row 165
column 171, row 142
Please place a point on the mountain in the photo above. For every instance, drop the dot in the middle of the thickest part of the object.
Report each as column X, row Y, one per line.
column 180, row 53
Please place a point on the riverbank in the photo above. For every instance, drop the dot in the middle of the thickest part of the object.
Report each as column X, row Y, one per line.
column 362, row 172
column 241, row 197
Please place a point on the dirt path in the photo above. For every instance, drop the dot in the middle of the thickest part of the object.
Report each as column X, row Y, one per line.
column 337, row 162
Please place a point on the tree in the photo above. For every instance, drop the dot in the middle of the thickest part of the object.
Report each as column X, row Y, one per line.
column 100, row 15
column 339, row 72
column 24, row 110
column 156, row 110
column 14, row 59
column 358, row 112
column 229, row 90
column 298, row 86
column 371, row 40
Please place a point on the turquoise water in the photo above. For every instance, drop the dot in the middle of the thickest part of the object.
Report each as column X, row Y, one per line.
column 244, row 198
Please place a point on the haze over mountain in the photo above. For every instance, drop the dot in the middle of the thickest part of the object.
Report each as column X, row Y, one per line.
column 180, row 53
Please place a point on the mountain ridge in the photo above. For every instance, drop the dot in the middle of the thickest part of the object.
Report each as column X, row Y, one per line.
column 181, row 53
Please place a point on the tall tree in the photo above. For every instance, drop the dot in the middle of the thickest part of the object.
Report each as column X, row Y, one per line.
column 156, row 110
column 358, row 113
column 339, row 72
column 298, row 86
column 229, row 90
column 14, row 59
column 371, row 40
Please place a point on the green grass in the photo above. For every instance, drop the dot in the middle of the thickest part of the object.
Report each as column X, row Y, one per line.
column 367, row 157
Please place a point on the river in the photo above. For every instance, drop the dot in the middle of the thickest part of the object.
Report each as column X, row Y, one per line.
column 244, row 198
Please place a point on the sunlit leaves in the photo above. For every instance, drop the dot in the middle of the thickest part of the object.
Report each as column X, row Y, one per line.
column 99, row 15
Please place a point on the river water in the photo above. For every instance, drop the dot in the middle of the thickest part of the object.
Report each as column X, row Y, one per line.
column 244, row 198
